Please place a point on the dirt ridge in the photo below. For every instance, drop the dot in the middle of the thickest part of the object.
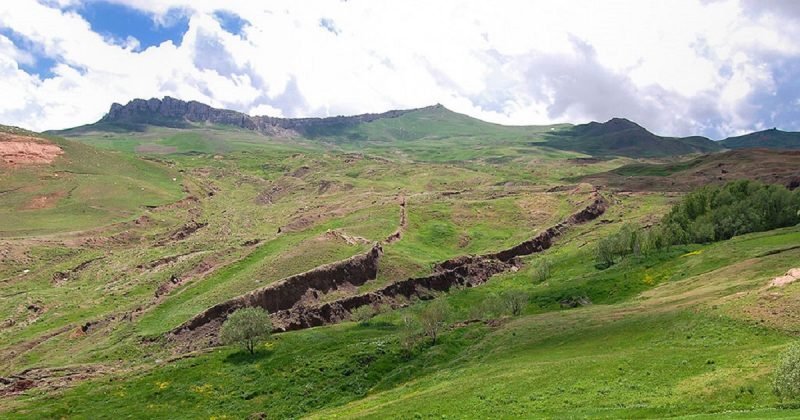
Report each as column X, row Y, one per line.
column 286, row 293
column 464, row 271
column 287, row 300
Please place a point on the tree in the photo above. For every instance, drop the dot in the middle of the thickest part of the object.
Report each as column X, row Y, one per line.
column 433, row 318
column 786, row 383
column 246, row 326
column 515, row 301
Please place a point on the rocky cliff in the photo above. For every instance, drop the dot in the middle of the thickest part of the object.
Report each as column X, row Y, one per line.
column 177, row 113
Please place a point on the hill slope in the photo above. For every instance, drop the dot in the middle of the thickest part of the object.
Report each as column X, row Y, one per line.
column 770, row 166
column 773, row 139
column 621, row 137
column 49, row 184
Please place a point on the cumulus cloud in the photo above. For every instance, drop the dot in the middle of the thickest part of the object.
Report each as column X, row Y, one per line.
column 681, row 67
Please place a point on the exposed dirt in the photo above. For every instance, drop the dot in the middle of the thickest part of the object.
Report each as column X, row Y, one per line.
column 45, row 201
column 338, row 235
column 765, row 165
column 790, row 277
column 60, row 277
column 201, row 330
column 397, row 234
column 16, row 149
column 183, row 232
column 204, row 267
column 48, row 379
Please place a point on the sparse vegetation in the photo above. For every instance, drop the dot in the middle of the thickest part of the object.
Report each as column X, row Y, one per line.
column 247, row 327
column 515, row 301
column 433, row 317
column 786, row 383
column 542, row 271
column 363, row 314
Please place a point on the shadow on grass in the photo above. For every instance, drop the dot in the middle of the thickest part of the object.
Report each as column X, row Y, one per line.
column 243, row 357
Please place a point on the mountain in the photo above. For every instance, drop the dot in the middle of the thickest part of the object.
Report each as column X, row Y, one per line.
column 175, row 113
column 615, row 137
column 773, row 139
column 621, row 137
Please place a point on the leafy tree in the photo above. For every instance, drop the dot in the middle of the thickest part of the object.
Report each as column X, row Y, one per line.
column 786, row 383
column 246, row 326
column 515, row 301
column 433, row 318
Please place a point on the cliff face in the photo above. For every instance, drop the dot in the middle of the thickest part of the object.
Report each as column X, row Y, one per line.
column 174, row 112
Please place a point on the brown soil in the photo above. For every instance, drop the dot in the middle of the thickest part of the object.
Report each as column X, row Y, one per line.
column 48, row 378
column 397, row 234
column 768, row 166
column 338, row 235
column 25, row 150
column 156, row 149
column 183, row 232
column 60, row 277
column 44, row 201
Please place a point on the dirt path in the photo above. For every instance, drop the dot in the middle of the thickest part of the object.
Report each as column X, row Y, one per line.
column 397, row 234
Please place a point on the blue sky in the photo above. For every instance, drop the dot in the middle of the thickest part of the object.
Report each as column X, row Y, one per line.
column 678, row 67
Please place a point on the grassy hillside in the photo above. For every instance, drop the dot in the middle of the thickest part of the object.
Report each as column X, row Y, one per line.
column 773, row 139
column 764, row 165
column 83, row 188
column 216, row 212
column 620, row 137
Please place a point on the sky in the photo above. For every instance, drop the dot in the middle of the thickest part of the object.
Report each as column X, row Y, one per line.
column 678, row 67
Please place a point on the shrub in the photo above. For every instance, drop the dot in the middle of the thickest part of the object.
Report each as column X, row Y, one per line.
column 433, row 318
column 489, row 307
column 786, row 383
column 246, row 326
column 515, row 302
column 542, row 271
column 362, row 314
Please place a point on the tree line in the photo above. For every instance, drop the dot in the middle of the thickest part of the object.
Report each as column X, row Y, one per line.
column 708, row 214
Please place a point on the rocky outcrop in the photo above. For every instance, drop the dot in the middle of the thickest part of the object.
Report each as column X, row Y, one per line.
column 174, row 112
column 291, row 302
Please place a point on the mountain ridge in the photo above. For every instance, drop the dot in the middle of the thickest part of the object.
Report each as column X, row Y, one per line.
column 615, row 137
column 177, row 113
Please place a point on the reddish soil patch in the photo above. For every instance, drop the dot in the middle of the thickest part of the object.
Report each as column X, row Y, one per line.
column 156, row 149
column 46, row 201
column 26, row 150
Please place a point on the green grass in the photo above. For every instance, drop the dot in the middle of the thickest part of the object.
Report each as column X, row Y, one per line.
column 83, row 188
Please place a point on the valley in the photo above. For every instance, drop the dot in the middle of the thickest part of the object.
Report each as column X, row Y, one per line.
column 123, row 252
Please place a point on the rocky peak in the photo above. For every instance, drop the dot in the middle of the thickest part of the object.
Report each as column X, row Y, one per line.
column 171, row 112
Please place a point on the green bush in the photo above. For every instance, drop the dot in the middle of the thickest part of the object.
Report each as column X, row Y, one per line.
column 786, row 383
column 708, row 214
column 515, row 302
column 246, row 326
column 542, row 271
column 362, row 314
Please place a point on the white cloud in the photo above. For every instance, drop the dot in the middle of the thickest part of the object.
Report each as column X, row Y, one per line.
column 677, row 67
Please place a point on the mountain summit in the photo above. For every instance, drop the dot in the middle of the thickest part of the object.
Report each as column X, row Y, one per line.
column 176, row 113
